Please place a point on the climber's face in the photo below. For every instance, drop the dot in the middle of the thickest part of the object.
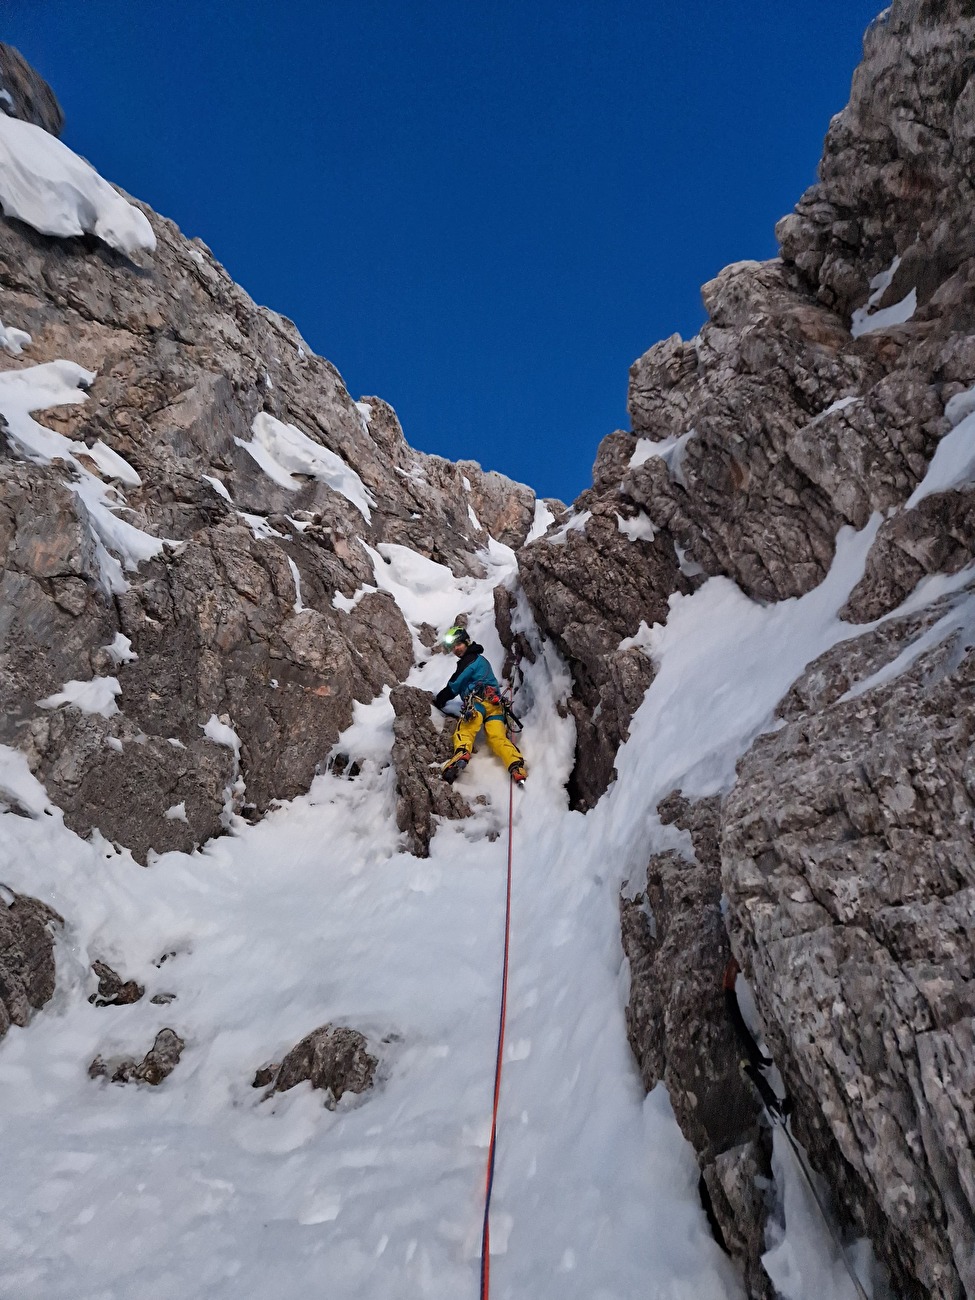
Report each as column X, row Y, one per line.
column 458, row 648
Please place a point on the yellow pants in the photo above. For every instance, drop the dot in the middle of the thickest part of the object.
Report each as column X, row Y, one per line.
column 494, row 729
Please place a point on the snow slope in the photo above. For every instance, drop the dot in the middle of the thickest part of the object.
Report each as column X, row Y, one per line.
column 201, row 1189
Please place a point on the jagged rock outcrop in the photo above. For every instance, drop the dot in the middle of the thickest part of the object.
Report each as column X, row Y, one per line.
column 158, row 1063
column 332, row 1058
column 253, row 592
column 847, row 859
column 112, row 990
column 25, row 94
column 591, row 583
column 419, row 751
column 675, row 939
column 27, row 929
column 753, row 443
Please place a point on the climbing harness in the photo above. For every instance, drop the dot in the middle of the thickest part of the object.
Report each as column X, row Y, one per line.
column 489, row 1179
column 777, row 1108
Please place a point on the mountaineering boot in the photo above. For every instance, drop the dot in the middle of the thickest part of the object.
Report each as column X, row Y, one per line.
column 517, row 773
column 452, row 769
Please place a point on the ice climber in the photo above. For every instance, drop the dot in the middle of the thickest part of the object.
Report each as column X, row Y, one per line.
column 474, row 683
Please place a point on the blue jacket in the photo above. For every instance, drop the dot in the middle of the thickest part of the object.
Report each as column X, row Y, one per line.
column 471, row 674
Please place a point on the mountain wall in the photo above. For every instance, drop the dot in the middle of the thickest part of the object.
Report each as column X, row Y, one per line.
column 825, row 387
column 198, row 528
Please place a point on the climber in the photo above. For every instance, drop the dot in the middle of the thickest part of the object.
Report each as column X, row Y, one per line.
column 474, row 682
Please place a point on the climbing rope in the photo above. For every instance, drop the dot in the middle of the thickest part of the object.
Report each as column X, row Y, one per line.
column 489, row 1180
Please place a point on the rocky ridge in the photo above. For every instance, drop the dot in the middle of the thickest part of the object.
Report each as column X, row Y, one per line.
column 257, row 609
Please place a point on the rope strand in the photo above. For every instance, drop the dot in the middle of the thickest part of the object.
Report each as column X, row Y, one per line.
column 489, row 1179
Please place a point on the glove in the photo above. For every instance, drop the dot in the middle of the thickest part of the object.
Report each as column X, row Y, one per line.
column 441, row 698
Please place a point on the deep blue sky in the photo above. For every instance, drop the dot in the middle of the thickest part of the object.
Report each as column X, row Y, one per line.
column 483, row 212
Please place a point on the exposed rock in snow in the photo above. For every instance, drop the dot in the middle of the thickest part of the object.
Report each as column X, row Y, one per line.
column 26, row 957
column 157, row 1064
column 112, row 990
column 332, row 1058
column 419, row 750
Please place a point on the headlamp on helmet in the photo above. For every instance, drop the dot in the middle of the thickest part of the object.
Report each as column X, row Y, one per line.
column 455, row 636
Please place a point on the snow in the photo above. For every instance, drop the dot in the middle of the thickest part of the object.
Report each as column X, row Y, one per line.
column 282, row 450
column 670, row 451
column 298, row 606
column 364, row 409
column 348, row 603
column 841, row 404
column 176, row 813
column 317, row 915
column 222, row 733
column 121, row 650
column 953, row 462
column 868, row 320
column 540, row 524
column 639, row 528
column 62, row 383
column 95, row 696
column 219, row 487
column 13, row 341
column 111, row 464
column 19, row 788
column 575, row 523
column 474, row 519
column 50, row 188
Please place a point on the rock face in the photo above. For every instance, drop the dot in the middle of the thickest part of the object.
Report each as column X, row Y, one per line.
column 681, row 1033
column 266, row 499
column 847, row 858
column 419, row 750
column 26, row 957
column 26, row 95
column 754, row 443
column 332, row 1058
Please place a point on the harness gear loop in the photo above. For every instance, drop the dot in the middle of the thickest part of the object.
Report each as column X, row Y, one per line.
column 489, row 1178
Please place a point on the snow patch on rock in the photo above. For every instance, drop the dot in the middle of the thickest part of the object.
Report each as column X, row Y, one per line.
column 47, row 186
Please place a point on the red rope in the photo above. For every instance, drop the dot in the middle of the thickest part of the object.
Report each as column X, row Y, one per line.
column 489, row 1180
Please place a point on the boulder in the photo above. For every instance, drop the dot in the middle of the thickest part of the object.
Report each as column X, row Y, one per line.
column 332, row 1058
column 27, row 973
column 157, row 1064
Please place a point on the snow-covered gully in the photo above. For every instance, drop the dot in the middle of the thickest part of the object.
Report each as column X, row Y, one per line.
column 201, row 1188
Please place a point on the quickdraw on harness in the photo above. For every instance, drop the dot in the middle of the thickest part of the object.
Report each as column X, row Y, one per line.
column 494, row 698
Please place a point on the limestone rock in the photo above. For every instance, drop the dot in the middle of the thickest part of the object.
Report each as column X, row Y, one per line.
column 846, row 857
column 419, row 750
column 112, row 990
column 590, row 585
column 25, row 94
column 27, row 971
column 333, row 1058
column 680, row 1031
column 157, row 1064
column 260, row 606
